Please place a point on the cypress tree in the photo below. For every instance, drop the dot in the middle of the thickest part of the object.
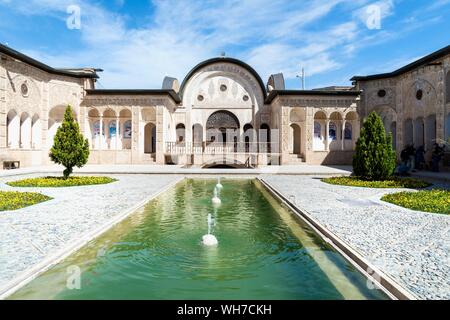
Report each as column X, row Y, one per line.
column 70, row 149
column 374, row 158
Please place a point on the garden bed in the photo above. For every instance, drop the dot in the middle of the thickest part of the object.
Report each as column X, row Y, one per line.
column 436, row 201
column 11, row 200
column 388, row 183
column 58, row 182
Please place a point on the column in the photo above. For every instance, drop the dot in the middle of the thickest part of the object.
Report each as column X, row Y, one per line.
column 107, row 135
column 100, row 144
column 327, row 133
column 45, row 118
column 117, row 133
column 343, row 135
column 425, row 134
column 3, row 108
column 135, row 135
column 284, row 135
column 441, row 113
column 160, row 135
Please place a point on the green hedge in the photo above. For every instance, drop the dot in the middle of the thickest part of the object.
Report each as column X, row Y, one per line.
column 437, row 201
column 388, row 183
column 57, row 182
column 16, row 200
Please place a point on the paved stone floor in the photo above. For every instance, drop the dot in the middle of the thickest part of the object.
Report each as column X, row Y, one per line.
column 412, row 247
column 302, row 169
column 32, row 234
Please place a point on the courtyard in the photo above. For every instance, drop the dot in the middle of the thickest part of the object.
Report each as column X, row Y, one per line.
column 37, row 237
column 225, row 159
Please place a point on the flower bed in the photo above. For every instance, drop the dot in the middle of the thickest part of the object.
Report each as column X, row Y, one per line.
column 389, row 183
column 437, row 201
column 16, row 200
column 57, row 182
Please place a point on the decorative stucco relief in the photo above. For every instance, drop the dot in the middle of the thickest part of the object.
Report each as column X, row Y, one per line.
column 62, row 94
column 381, row 96
column 420, row 99
column 223, row 85
column 23, row 95
column 126, row 101
column 316, row 102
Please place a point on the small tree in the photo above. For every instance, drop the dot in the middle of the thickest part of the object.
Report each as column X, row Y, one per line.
column 375, row 158
column 69, row 146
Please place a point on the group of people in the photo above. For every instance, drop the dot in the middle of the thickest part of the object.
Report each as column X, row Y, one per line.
column 414, row 158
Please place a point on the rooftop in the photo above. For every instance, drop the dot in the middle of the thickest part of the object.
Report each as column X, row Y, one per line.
column 427, row 60
column 73, row 72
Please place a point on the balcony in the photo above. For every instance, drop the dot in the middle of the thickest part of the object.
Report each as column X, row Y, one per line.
column 174, row 148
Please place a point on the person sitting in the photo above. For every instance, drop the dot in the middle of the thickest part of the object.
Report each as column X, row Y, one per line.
column 420, row 158
column 436, row 157
column 407, row 158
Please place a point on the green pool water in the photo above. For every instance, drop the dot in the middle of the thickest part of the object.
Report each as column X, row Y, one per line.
column 264, row 252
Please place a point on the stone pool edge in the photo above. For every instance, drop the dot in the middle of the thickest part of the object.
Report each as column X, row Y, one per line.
column 392, row 288
column 29, row 275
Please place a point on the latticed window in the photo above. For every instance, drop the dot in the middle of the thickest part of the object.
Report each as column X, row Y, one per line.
column 348, row 131
column 317, row 130
column 127, row 130
column 332, row 132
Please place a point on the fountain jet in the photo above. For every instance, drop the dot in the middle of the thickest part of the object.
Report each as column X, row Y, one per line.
column 216, row 200
column 219, row 186
column 209, row 239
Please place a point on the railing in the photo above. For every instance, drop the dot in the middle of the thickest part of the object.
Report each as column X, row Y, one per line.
column 219, row 148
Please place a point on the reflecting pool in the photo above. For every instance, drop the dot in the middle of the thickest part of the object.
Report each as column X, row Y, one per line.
column 264, row 252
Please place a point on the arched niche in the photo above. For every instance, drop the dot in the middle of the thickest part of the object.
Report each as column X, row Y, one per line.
column 222, row 126
column 150, row 138
column 319, row 132
column 12, row 129
column 295, row 135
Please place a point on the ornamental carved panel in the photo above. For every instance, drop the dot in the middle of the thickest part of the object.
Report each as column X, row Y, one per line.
column 222, row 119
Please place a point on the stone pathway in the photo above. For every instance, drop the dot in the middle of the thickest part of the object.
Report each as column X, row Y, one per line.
column 32, row 234
column 412, row 247
column 302, row 169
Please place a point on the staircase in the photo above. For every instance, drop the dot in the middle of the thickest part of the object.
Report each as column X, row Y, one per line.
column 296, row 159
column 149, row 158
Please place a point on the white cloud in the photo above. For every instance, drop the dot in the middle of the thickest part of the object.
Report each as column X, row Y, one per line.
column 437, row 4
column 271, row 35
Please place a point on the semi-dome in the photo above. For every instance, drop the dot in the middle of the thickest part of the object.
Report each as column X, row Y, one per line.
column 229, row 60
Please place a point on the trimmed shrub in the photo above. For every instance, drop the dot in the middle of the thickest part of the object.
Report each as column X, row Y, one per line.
column 70, row 148
column 374, row 158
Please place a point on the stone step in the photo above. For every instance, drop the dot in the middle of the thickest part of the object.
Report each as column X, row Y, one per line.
column 296, row 159
column 149, row 159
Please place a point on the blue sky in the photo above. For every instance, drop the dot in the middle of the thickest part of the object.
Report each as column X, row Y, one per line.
column 137, row 43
